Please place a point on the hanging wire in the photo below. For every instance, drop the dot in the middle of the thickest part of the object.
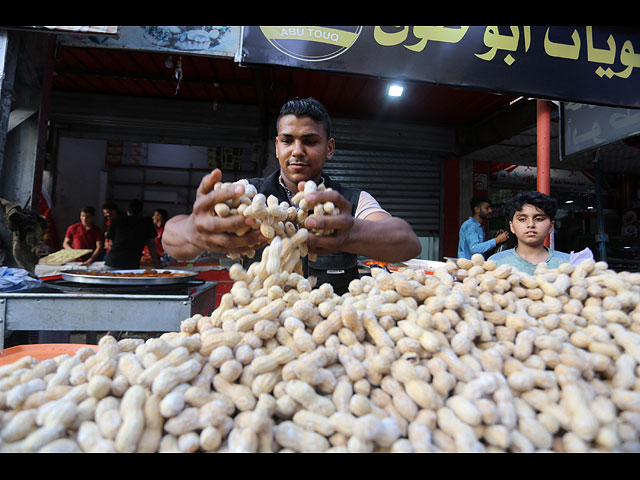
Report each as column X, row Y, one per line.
column 178, row 74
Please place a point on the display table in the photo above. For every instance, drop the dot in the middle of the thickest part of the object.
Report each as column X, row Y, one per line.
column 52, row 307
column 210, row 272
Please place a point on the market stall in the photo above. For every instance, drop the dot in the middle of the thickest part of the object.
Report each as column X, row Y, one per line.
column 465, row 357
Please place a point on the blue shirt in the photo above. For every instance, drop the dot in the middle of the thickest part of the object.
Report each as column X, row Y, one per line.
column 471, row 239
column 510, row 257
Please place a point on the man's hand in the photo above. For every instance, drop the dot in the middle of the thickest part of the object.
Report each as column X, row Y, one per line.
column 341, row 224
column 185, row 236
column 502, row 236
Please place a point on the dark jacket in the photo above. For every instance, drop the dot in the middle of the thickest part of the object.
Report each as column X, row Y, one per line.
column 129, row 235
column 339, row 268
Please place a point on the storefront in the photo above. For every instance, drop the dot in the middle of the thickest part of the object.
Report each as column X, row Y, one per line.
column 465, row 357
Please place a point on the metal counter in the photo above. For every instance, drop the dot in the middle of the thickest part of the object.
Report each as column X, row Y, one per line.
column 98, row 311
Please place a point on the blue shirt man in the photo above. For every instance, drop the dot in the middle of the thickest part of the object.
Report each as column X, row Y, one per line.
column 471, row 238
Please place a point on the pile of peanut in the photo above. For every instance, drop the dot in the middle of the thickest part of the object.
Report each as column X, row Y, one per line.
column 471, row 358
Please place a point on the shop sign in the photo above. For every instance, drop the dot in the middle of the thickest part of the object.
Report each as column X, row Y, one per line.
column 526, row 176
column 219, row 41
column 594, row 65
column 585, row 127
column 76, row 30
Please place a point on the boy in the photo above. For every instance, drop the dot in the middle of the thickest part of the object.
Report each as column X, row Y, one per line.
column 531, row 217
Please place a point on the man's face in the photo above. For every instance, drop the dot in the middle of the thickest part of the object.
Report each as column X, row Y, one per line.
column 108, row 214
column 531, row 225
column 302, row 148
column 86, row 219
column 484, row 210
column 157, row 219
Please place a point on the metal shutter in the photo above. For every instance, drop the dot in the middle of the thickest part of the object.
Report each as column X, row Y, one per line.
column 405, row 184
column 400, row 165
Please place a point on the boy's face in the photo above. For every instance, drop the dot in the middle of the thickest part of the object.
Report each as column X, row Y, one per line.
column 302, row 148
column 531, row 226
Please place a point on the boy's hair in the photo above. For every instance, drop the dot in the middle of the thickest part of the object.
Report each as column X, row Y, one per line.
column 306, row 107
column 475, row 201
column 109, row 206
column 90, row 210
column 540, row 200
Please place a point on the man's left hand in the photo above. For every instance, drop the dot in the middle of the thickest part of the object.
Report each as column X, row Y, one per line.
column 340, row 224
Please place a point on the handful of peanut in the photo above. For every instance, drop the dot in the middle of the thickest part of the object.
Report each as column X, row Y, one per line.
column 473, row 358
column 275, row 218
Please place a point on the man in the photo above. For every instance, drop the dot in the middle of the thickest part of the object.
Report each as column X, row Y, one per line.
column 303, row 145
column 109, row 211
column 129, row 234
column 85, row 235
column 159, row 218
column 471, row 237
column 531, row 219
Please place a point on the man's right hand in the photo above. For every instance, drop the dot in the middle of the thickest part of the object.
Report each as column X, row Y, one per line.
column 502, row 236
column 185, row 236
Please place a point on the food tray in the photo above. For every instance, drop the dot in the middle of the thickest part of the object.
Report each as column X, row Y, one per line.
column 63, row 256
column 83, row 276
column 40, row 351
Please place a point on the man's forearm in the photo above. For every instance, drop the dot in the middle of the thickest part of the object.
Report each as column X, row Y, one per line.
column 96, row 253
column 153, row 252
column 389, row 240
column 482, row 247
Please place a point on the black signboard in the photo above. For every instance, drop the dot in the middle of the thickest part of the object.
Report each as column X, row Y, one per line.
column 592, row 65
column 587, row 127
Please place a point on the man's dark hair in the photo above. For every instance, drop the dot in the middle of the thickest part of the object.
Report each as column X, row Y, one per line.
column 109, row 206
column 90, row 210
column 163, row 213
column 540, row 200
column 306, row 107
column 135, row 207
column 475, row 201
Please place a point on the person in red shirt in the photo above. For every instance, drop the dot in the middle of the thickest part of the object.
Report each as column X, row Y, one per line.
column 109, row 211
column 85, row 235
column 159, row 218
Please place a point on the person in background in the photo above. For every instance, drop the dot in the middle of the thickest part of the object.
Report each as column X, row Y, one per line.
column 531, row 219
column 129, row 234
column 472, row 237
column 85, row 235
column 109, row 211
column 159, row 218
column 303, row 144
